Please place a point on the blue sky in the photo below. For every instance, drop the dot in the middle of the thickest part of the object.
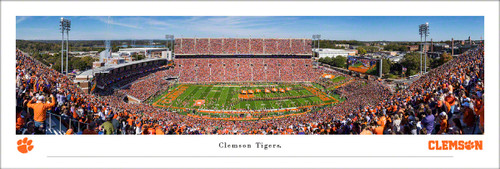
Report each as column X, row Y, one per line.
column 391, row 28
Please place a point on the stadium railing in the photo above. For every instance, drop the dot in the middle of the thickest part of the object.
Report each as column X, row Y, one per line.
column 71, row 123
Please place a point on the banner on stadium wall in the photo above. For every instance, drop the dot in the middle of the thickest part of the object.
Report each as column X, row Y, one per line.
column 362, row 65
column 328, row 76
column 93, row 86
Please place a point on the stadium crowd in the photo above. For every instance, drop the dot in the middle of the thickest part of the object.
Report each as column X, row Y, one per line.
column 117, row 78
column 245, row 70
column 253, row 46
column 329, row 83
column 148, row 85
column 447, row 100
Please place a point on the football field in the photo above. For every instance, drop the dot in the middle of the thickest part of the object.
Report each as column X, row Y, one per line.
column 248, row 97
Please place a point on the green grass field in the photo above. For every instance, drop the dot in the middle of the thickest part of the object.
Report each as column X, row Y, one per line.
column 338, row 79
column 357, row 64
column 220, row 97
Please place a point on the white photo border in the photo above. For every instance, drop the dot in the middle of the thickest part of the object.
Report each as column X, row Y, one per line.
column 172, row 151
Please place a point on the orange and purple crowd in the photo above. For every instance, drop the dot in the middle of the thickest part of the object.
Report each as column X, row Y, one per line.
column 244, row 46
column 447, row 100
column 245, row 70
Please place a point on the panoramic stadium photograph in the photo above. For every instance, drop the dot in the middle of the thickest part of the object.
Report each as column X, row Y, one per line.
column 249, row 75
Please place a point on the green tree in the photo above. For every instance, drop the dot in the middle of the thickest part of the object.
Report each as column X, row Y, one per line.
column 395, row 47
column 389, row 47
column 386, row 66
column 445, row 57
column 56, row 66
column 328, row 60
column 371, row 49
column 412, row 62
column 321, row 60
column 115, row 48
column 340, row 61
column 361, row 51
column 100, row 50
column 140, row 57
column 77, row 63
column 403, row 48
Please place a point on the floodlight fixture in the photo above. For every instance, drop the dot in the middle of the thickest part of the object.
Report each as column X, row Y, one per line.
column 65, row 27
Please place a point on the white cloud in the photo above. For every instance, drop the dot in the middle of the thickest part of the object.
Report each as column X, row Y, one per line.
column 214, row 26
column 211, row 26
column 237, row 25
column 20, row 19
column 114, row 21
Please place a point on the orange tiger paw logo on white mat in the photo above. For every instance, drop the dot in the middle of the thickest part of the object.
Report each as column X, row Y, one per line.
column 24, row 145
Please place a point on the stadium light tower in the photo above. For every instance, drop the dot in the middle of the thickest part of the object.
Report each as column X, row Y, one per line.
column 316, row 37
column 319, row 41
column 423, row 32
column 68, row 28
column 426, row 33
column 65, row 27
column 61, row 27
column 170, row 41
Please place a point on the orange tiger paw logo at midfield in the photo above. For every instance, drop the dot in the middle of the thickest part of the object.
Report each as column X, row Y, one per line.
column 24, row 145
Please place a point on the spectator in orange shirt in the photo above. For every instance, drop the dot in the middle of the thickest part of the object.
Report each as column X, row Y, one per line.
column 40, row 110
column 366, row 131
column 450, row 99
column 159, row 131
column 130, row 122
column 443, row 122
column 382, row 120
column 20, row 120
column 19, row 123
column 469, row 115
column 69, row 131
column 151, row 131
column 480, row 113
column 378, row 129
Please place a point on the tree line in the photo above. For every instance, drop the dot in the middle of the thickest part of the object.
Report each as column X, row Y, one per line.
column 411, row 61
column 39, row 50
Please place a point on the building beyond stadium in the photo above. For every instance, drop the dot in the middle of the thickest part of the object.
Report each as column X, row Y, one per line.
column 322, row 53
